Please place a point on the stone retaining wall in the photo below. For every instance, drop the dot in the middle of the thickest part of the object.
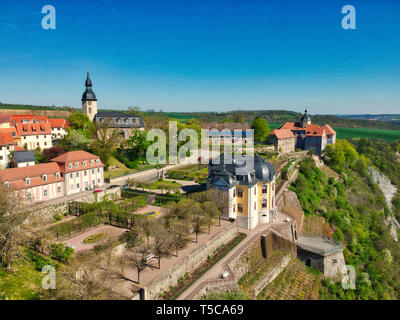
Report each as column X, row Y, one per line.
column 171, row 276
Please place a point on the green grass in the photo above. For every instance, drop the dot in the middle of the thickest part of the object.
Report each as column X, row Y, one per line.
column 22, row 283
column 349, row 133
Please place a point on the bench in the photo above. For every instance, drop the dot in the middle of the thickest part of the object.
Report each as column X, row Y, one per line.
column 225, row 275
column 191, row 230
column 149, row 257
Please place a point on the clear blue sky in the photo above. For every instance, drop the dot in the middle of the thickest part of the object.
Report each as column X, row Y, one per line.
column 204, row 55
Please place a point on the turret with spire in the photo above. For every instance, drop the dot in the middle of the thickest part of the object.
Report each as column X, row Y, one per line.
column 89, row 100
column 305, row 119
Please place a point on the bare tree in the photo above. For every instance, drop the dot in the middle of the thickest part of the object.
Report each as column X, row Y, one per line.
column 221, row 200
column 161, row 243
column 211, row 212
column 138, row 260
column 197, row 218
column 14, row 229
column 179, row 232
column 146, row 225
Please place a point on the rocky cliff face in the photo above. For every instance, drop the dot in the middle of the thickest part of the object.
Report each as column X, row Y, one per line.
column 388, row 190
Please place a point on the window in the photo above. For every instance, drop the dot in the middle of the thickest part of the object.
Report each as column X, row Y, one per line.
column 1, row 157
column 28, row 181
column 77, row 186
column 84, row 163
column 45, row 143
column 92, row 171
column 57, row 175
column 240, row 193
column 71, row 175
column 240, row 207
column 255, row 191
column 58, row 189
column 29, row 196
column 77, row 174
column 98, row 170
column 98, row 180
column 234, row 193
column 7, row 184
column 97, row 161
column 264, row 204
column 255, row 206
column 264, row 189
column 76, row 165
column 44, row 178
column 92, row 162
column 69, row 165
column 85, row 173
column 72, row 187
column 334, row 261
column 44, row 193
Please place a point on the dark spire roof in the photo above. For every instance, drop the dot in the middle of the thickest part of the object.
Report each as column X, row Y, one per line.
column 88, row 95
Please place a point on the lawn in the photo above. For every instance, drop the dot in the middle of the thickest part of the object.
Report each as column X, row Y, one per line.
column 23, row 283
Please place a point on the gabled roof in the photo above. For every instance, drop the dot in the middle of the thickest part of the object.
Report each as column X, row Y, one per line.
column 18, row 148
column 19, row 118
column 283, row 133
column 74, row 156
column 13, row 132
column 6, row 139
column 59, row 123
column 328, row 129
column 32, row 129
column 24, row 156
column 39, row 170
column 314, row 130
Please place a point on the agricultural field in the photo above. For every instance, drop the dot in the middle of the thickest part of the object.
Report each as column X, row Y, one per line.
column 295, row 282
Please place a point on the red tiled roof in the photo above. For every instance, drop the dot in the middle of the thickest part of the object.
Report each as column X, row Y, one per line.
column 283, row 133
column 73, row 156
column 6, row 139
column 18, row 148
column 59, row 123
column 329, row 129
column 32, row 129
column 291, row 126
column 314, row 130
column 10, row 130
column 15, row 174
column 18, row 118
column 5, row 118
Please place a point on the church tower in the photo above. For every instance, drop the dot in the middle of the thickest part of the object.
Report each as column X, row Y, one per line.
column 305, row 120
column 89, row 101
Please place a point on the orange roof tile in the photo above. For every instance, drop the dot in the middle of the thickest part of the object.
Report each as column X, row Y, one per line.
column 18, row 148
column 329, row 129
column 32, row 129
column 5, row 118
column 6, row 139
column 283, row 133
column 13, row 132
column 19, row 118
column 15, row 174
column 74, row 156
column 59, row 123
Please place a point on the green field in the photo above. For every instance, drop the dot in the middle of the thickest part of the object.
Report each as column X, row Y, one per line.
column 350, row 133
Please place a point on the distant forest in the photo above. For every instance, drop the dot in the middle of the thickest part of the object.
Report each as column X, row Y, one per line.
column 272, row 116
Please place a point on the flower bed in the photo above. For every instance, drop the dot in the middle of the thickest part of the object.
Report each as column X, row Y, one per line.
column 94, row 238
column 151, row 213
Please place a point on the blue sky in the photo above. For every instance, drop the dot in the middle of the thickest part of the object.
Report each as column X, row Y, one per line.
column 204, row 55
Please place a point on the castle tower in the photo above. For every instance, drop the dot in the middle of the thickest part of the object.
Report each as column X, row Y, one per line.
column 89, row 101
column 305, row 119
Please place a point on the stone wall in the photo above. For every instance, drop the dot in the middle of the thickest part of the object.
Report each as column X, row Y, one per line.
column 171, row 276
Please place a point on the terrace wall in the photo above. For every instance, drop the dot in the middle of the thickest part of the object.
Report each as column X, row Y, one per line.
column 171, row 276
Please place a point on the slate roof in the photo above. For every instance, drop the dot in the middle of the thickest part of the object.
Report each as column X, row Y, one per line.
column 24, row 156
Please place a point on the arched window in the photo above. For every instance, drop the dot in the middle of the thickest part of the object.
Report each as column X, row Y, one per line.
column 90, row 110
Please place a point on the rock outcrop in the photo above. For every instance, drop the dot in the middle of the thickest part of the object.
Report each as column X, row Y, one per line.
column 388, row 190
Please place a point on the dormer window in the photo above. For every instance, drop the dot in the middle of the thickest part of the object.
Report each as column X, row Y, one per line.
column 76, row 165
column 84, row 163
column 70, row 166
column 7, row 184
column 27, row 181
column 97, row 161
column 92, row 162
column 57, row 175
column 44, row 177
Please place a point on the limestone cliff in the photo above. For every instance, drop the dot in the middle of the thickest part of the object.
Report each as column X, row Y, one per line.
column 388, row 190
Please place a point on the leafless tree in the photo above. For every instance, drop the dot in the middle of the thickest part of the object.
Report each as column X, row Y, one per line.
column 179, row 232
column 162, row 242
column 14, row 229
